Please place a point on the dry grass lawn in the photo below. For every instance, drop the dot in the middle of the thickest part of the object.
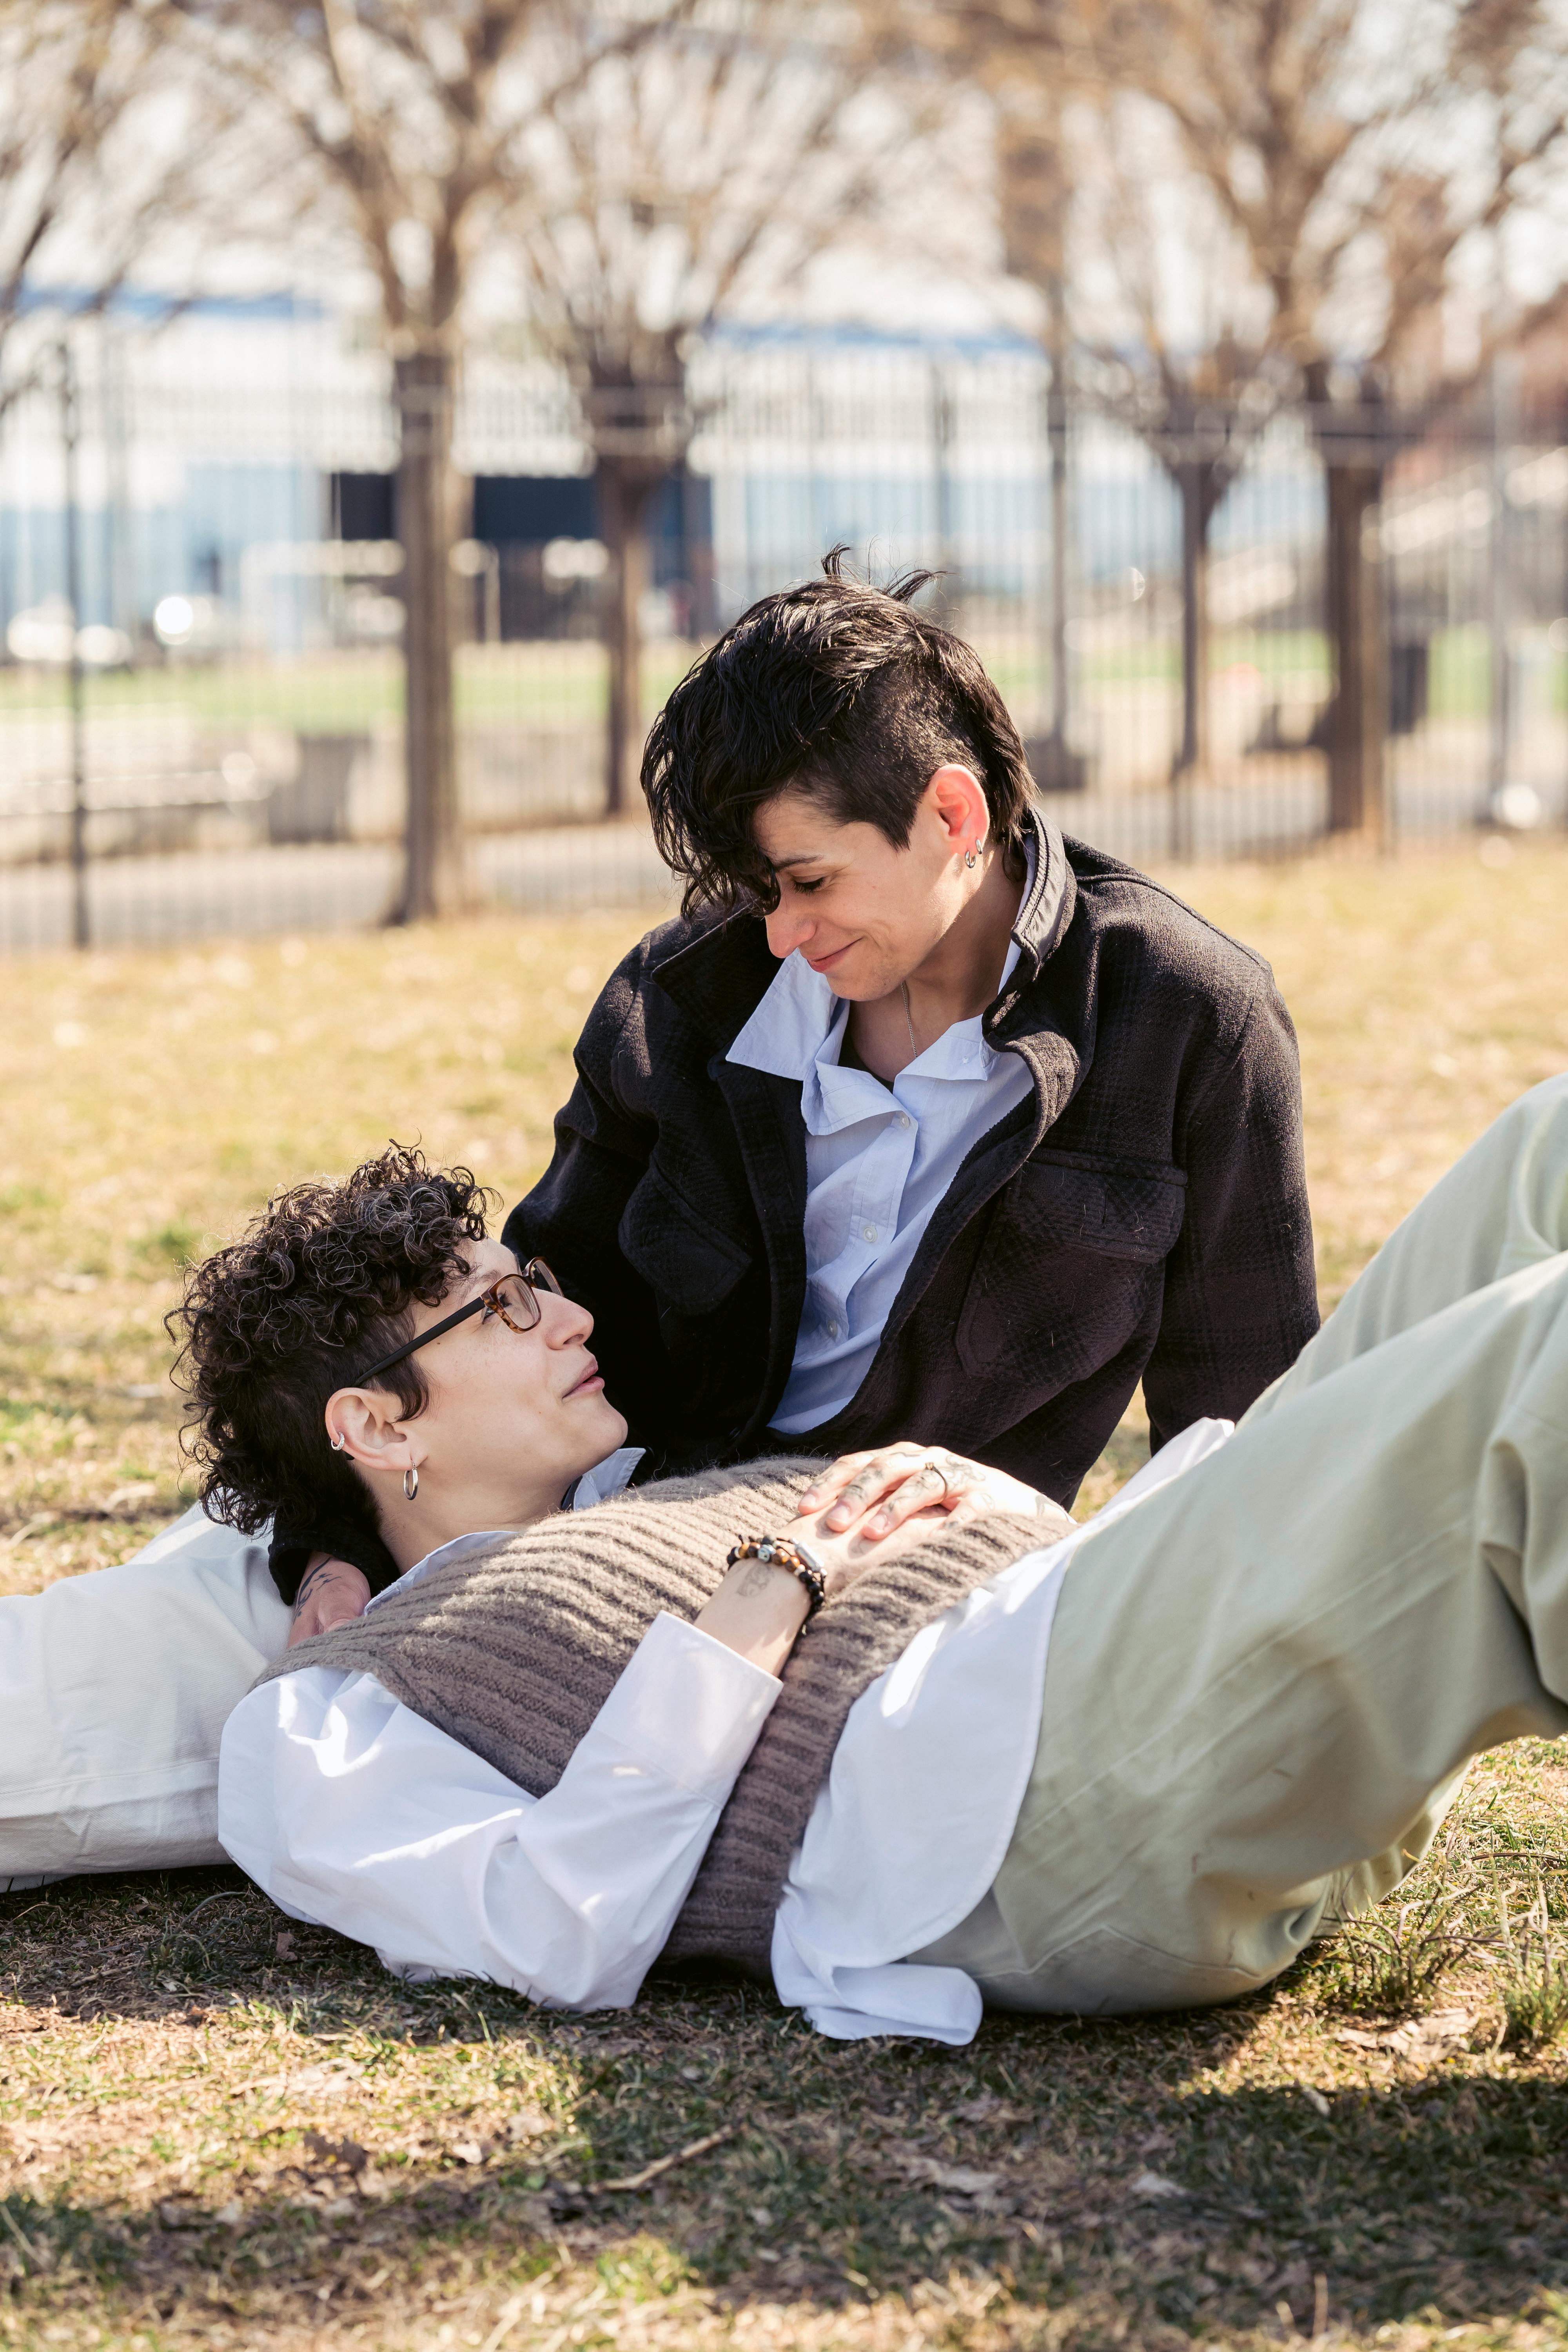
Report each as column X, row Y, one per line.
column 217, row 2128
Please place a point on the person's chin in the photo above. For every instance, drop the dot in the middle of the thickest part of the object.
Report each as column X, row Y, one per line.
column 857, row 984
column 845, row 976
column 603, row 1428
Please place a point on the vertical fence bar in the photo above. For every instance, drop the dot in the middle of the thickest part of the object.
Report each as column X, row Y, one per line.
column 119, row 547
column 1499, row 583
column 69, row 430
column 1398, row 687
column 942, row 431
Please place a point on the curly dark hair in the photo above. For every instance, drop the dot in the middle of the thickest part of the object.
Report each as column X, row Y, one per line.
column 840, row 689
column 320, row 1284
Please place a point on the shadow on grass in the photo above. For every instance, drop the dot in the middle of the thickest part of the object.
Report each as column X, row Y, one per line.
column 1440, row 2199
column 1093, row 2169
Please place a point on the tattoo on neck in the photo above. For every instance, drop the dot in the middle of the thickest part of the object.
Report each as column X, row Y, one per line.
column 315, row 1577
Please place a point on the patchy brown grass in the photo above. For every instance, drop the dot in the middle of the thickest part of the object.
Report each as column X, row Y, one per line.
column 217, row 2127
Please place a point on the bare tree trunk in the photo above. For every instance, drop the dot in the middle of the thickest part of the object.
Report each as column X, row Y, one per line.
column 1358, row 715
column 1354, row 445
column 1034, row 197
column 1057, row 769
column 1193, row 759
column 1194, row 485
column 434, row 885
column 626, row 493
column 640, row 426
column 1057, row 427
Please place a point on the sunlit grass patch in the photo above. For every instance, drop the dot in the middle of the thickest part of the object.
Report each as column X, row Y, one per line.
column 1391, row 1962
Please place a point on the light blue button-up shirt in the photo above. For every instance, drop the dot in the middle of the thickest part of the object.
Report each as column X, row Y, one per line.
column 877, row 1160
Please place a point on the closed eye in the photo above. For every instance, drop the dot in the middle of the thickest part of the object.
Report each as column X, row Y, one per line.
column 807, row 888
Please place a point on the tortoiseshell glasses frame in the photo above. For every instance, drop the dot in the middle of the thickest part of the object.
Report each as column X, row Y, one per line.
column 519, row 1313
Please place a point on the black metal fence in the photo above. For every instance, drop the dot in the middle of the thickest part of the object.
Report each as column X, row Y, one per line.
column 200, row 717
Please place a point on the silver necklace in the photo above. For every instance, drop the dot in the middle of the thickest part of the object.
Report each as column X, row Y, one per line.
column 908, row 1020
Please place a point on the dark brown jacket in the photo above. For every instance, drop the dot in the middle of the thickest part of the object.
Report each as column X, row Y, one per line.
column 1142, row 1215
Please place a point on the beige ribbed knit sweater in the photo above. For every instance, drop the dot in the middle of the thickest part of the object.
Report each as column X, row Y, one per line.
column 514, row 1650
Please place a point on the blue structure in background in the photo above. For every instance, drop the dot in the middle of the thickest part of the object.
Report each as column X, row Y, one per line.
column 131, row 559
column 915, row 451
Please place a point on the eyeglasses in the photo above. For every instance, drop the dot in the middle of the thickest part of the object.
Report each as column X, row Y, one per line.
column 515, row 1299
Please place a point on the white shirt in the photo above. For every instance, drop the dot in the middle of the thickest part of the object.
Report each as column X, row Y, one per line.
column 877, row 1160
column 595, row 1485
column 352, row 1811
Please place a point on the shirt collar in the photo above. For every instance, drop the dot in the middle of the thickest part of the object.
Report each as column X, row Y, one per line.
column 791, row 1024
column 606, row 1478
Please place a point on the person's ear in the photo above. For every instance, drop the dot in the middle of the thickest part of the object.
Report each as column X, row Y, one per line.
column 364, row 1426
column 956, row 797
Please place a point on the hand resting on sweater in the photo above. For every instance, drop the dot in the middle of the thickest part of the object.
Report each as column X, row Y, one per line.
column 877, row 1492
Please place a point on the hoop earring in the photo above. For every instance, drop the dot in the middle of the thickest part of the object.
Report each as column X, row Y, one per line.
column 971, row 858
column 339, row 1441
column 411, row 1482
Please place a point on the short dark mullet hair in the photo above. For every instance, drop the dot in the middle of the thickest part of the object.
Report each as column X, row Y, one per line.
column 836, row 688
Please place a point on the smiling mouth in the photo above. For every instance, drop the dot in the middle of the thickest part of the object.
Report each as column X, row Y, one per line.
column 821, row 963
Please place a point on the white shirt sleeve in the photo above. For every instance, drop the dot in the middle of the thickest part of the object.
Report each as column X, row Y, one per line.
column 351, row 1812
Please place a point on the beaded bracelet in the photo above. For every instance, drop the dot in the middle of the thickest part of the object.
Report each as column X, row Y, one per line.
column 784, row 1551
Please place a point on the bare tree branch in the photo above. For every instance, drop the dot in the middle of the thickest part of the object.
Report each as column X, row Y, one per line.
column 93, row 165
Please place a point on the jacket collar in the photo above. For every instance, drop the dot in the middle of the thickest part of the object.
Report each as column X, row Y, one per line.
column 719, row 976
column 1047, row 905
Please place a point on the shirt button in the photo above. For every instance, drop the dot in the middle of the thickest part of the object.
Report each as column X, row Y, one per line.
column 903, row 1118
column 870, row 1232
column 833, row 1330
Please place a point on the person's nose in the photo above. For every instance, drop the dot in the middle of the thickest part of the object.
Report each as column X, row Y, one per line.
column 563, row 1323
column 787, row 930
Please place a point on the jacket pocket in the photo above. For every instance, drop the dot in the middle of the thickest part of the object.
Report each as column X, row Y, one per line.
column 1069, row 1265
column 686, row 1263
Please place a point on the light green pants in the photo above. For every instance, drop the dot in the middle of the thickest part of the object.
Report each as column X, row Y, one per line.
column 1265, row 1682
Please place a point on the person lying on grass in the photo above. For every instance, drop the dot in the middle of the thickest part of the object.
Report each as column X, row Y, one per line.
column 896, row 1775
